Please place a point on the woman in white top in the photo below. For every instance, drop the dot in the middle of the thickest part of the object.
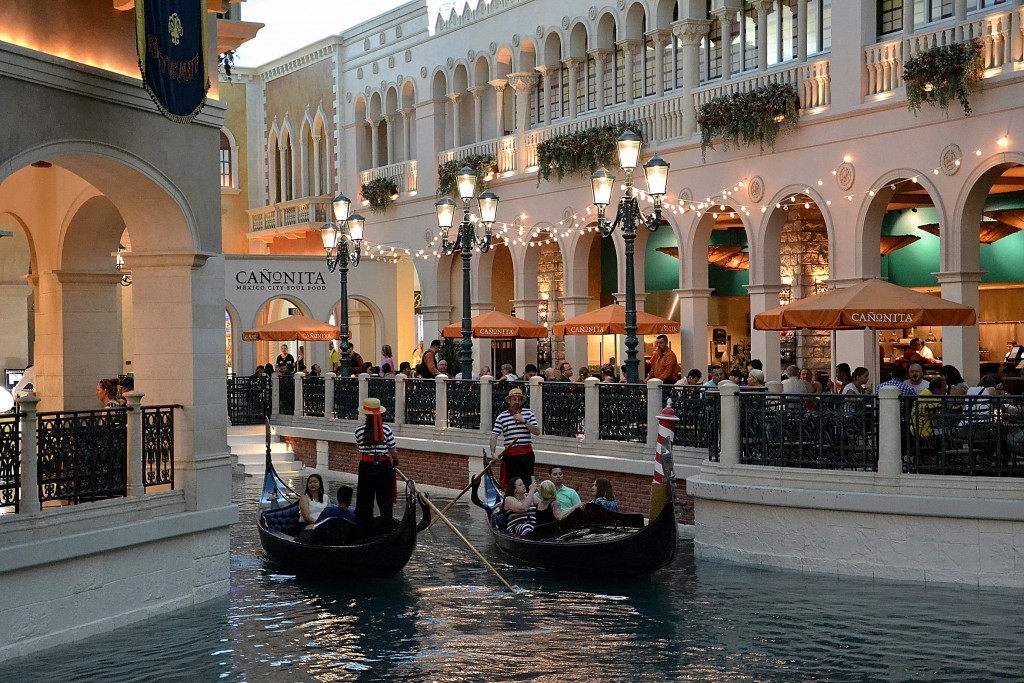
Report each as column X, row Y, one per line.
column 857, row 382
column 313, row 501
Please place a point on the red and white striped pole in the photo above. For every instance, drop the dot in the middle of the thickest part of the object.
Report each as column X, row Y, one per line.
column 664, row 474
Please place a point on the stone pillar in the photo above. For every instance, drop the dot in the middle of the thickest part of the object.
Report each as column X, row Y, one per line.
column 440, row 402
column 764, row 344
column 389, row 120
column 545, row 74
column 600, row 56
column 725, row 19
column 537, row 399
column 136, row 476
column 628, row 48
column 591, row 410
column 300, row 405
column 275, row 397
column 477, row 92
column 364, row 387
column 908, row 28
column 323, row 455
column 960, row 344
column 571, row 64
column 690, row 32
column 1016, row 32
column 407, row 133
column 329, row 396
column 729, row 426
column 374, row 142
column 693, row 328
column 524, row 84
column 764, row 8
column 575, row 345
column 499, row 85
column 399, row 400
column 526, row 349
column 456, row 122
column 659, row 37
column 435, row 318
column 960, row 15
column 890, row 456
column 29, row 494
column 653, row 410
column 801, row 29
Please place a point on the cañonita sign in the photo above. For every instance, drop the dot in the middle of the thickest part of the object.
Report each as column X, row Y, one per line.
column 875, row 318
column 267, row 280
column 497, row 332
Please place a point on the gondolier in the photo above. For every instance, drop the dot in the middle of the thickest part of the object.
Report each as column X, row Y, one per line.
column 378, row 459
column 515, row 424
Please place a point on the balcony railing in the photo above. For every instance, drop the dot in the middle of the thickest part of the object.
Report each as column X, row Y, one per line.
column 382, row 389
column 313, row 396
column 404, row 173
column 502, row 149
column 10, row 460
column 82, row 455
column 564, row 409
column 249, row 399
column 697, row 410
column 463, row 403
column 812, row 81
column 420, row 399
column 290, row 216
column 346, row 398
column 623, row 411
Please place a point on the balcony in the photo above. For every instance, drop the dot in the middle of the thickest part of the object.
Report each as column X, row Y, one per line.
column 291, row 219
column 404, row 174
column 812, row 81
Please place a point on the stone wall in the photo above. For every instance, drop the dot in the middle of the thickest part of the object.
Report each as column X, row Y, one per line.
column 804, row 260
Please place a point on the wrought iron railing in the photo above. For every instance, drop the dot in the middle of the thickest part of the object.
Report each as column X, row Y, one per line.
column 10, row 461
column 82, row 455
column 346, row 398
column 383, row 389
column 699, row 411
column 623, row 411
column 249, row 399
column 313, row 396
column 822, row 431
column 463, row 403
column 286, row 395
column 499, row 392
column 563, row 408
column 963, row 435
column 420, row 397
column 158, row 445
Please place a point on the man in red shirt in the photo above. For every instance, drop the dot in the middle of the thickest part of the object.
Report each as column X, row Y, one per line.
column 664, row 365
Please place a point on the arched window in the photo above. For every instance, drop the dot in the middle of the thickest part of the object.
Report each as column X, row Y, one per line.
column 228, row 167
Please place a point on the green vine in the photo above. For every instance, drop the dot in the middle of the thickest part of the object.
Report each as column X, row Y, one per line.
column 581, row 153
column 482, row 164
column 381, row 193
column 943, row 74
column 746, row 118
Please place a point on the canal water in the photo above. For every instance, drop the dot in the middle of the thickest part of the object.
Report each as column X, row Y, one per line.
column 445, row 618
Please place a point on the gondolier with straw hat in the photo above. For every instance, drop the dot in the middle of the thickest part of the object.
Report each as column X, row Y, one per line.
column 378, row 460
column 516, row 424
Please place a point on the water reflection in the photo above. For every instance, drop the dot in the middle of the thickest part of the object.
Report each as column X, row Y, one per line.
column 445, row 618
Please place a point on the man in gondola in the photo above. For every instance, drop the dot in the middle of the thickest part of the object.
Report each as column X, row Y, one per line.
column 378, row 460
column 519, row 424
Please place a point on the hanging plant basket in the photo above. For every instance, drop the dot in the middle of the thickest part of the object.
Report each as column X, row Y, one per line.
column 943, row 74
column 581, row 153
column 747, row 118
column 484, row 165
column 381, row 193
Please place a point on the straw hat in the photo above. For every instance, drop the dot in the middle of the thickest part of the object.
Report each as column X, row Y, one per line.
column 372, row 406
column 515, row 391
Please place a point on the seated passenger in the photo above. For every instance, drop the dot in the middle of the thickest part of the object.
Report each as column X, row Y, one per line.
column 602, row 492
column 549, row 508
column 314, row 500
column 343, row 508
column 518, row 506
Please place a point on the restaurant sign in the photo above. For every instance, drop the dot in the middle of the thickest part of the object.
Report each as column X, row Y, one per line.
column 267, row 280
column 875, row 317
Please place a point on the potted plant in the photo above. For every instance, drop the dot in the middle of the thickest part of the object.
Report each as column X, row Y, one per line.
column 380, row 193
column 943, row 74
column 484, row 165
column 583, row 152
column 745, row 118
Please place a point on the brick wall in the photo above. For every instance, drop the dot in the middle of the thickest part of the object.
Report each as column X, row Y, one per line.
column 633, row 491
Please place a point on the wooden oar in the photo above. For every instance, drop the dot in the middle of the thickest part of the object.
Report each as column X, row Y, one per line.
column 455, row 531
column 470, row 484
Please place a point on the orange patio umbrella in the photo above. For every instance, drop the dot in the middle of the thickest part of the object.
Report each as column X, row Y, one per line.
column 498, row 325
column 612, row 320
column 292, row 328
column 871, row 304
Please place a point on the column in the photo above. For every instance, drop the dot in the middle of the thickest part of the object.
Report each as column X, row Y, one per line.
column 317, row 187
column 659, row 37
column 764, row 344
column 1016, row 35
column 390, row 121
column 329, row 396
column 374, row 143
column 282, row 179
column 764, row 8
column 136, row 480
column 690, row 32
column 526, row 349
column 575, row 345
column 300, row 403
column 729, row 425
column 486, row 406
column 571, row 64
column 726, row 20
column 908, row 29
column 654, row 394
column 499, row 106
column 890, row 458
column 524, row 84
column 407, row 133
column 537, row 400
column 600, row 56
column 591, row 411
column 29, row 494
column 801, row 30
column 545, row 74
column 628, row 49
column 430, row 127
column 960, row 14
column 399, row 418
column 960, row 344
column 435, row 318
column 478, row 112
column 441, row 402
column 455, row 97
column 693, row 328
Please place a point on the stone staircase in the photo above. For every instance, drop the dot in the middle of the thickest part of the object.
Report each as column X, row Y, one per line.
column 249, row 452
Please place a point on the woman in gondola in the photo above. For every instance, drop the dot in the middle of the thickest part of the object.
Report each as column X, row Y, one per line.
column 378, row 451
column 603, row 496
column 519, row 507
column 549, row 509
column 314, row 500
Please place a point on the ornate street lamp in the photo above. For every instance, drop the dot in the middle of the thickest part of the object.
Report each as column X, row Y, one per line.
column 342, row 241
column 628, row 216
column 465, row 241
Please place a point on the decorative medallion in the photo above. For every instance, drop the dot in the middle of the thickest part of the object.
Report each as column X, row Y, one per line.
column 428, row 236
column 518, row 222
column 846, row 174
column 592, row 13
column 398, row 32
column 565, row 22
column 391, row 62
column 755, row 189
column 950, row 158
column 470, row 55
column 515, row 40
column 540, row 31
column 383, row 85
column 685, row 195
column 567, row 213
column 348, row 97
column 621, row 5
column 423, row 72
column 366, row 92
column 359, row 73
column 408, row 56
column 493, row 47
column 451, row 62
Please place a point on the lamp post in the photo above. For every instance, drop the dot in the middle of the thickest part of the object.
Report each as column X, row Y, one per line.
column 628, row 216
column 465, row 241
column 342, row 241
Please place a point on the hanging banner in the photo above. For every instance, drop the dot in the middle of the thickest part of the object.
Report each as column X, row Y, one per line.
column 171, row 37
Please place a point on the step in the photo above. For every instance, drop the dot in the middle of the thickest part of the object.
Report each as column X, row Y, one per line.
column 252, row 438
column 260, row 448
column 260, row 458
column 283, row 469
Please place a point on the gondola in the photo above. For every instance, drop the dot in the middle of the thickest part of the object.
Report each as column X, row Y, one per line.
column 591, row 540
column 331, row 551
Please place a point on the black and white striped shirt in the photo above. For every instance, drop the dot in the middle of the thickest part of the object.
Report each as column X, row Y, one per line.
column 506, row 425
column 380, row 449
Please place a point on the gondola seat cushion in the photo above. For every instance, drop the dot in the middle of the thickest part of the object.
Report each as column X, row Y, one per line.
column 285, row 520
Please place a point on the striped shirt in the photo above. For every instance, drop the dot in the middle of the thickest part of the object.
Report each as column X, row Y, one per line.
column 510, row 429
column 380, row 449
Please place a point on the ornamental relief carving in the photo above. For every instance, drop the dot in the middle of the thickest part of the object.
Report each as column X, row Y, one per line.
column 423, row 72
column 375, row 68
column 950, row 158
column 755, row 189
column 565, row 20
column 391, row 62
column 408, row 56
column 493, row 47
column 540, row 31
column 846, row 175
column 592, row 13
column 515, row 40
column 382, row 38
column 359, row 73
column 451, row 62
